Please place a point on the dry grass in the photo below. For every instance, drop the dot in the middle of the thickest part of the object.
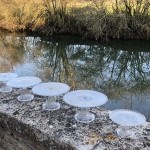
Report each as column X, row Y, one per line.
column 20, row 14
column 98, row 19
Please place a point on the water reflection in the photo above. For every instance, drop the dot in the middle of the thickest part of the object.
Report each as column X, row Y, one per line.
column 11, row 52
column 116, row 69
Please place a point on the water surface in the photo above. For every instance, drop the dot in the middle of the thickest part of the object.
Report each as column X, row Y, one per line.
column 120, row 69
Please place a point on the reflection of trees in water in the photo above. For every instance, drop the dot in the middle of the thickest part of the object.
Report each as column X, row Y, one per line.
column 11, row 51
column 109, row 69
column 117, row 66
column 89, row 66
column 55, row 63
column 95, row 66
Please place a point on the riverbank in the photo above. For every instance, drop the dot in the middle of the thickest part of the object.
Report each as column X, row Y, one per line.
column 95, row 20
column 25, row 126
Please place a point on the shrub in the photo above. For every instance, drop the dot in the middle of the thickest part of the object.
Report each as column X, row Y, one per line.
column 99, row 19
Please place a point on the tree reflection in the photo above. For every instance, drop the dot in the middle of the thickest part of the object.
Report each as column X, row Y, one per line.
column 95, row 66
column 108, row 69
column 11, row 52
column 83, row 65
column 56, row 64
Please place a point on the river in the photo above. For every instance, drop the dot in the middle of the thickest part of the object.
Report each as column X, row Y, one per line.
column 120, row 69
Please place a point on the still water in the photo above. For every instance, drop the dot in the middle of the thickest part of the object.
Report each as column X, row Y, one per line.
column 120, row 69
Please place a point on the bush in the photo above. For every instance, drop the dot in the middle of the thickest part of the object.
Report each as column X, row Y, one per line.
column 101, row 20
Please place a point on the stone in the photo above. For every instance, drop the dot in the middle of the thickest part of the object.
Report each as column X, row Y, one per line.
column 25, row 126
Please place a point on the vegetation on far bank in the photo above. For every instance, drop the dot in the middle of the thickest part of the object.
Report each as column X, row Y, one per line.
column 98, row 19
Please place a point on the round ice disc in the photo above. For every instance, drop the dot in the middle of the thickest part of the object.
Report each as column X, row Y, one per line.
column 126, row 117
column 23, row 82
column 7, row 76
column 5, row 89
column 51, row 89
column 25, row 97
column 85, row 98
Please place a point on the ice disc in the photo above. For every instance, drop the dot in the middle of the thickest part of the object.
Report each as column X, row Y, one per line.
column 5, row 89
column 126, row 117
column 23, row 82
column 85, row 98
column 51, row 89
column 25, row 97
column 84, row 118
column 7, row 76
